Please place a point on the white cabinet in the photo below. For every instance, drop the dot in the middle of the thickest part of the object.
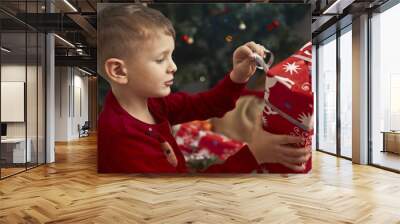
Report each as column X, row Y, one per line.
column 15, row 148
column 391, row 142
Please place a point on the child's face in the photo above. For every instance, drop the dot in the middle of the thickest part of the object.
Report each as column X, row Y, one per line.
column 151, row 70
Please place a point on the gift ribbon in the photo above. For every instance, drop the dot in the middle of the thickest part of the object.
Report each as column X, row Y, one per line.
column 288, row 117
column 260, row 63
column 302, row 57
column 265, row 66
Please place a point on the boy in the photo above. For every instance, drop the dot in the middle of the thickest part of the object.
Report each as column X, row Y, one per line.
column 134, row 133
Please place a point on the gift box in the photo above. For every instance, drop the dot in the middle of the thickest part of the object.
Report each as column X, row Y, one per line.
column 202, row 147
column 289, row 102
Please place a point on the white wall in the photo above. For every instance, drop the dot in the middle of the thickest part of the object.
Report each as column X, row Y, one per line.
column 15, row 73
column 61, row 103
column 71, row 93
column 80, row 100
column 33, row 126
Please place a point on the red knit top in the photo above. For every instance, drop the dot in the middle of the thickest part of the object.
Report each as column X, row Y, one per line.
column 128, row 145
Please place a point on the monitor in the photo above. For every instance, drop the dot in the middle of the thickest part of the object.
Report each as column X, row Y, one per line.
column 3, row 129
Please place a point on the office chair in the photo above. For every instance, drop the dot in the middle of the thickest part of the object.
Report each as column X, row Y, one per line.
column 84, row 130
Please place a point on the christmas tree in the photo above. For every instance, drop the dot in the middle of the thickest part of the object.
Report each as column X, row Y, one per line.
column 208, row 34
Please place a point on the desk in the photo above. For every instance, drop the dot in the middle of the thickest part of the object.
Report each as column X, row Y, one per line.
column 391, row 141
column 13, row 150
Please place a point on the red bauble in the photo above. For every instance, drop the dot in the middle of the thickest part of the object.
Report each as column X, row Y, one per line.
column 185, row 38
column 275, row 23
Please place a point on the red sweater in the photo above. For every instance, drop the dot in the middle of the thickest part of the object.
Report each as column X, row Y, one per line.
column 128, row 145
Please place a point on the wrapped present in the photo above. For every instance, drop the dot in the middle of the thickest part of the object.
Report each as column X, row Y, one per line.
column 202, row 147
column 289, row 102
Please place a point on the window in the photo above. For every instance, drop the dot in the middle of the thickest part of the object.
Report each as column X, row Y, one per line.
column 346, row 75
column 22, row 75
column 385, row 85
column 327, row 95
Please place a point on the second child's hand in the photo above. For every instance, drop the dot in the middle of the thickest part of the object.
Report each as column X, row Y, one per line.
column 271, row 148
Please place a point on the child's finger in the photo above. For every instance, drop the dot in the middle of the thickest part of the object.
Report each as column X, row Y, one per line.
column 260, row 50
column 252, row 45
column 264, row 50
column 256, row 48
column 242, row 53
column 296, row 160
column 288, row 139
column 248, row 51
column 251, row 60
column 251, row 64
column 294, row 152
column 295, row 167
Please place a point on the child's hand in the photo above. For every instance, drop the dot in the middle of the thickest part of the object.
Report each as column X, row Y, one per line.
column 270, row 148
column 244, row 65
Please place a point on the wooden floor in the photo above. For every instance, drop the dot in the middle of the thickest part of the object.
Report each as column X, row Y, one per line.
column 10, row 171
column 387, row 159
column 71, row 191
column 5, row 172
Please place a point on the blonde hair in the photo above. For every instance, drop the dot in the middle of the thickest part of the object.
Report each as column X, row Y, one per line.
column 122, row 29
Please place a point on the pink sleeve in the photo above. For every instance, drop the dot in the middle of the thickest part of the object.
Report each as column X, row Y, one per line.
column 241, row 162
column 183, row 107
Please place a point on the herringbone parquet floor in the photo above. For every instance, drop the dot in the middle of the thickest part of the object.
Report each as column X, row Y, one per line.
column 71, row 191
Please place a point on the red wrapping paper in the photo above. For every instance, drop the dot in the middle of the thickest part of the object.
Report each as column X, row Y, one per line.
column 289, row 103
column 196, row 138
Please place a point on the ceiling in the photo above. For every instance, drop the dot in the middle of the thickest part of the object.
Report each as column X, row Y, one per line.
column 75, row 21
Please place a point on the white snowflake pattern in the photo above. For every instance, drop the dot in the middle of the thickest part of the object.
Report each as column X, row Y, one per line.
column 179, row 141
column 291, row 68
column 307, row 120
